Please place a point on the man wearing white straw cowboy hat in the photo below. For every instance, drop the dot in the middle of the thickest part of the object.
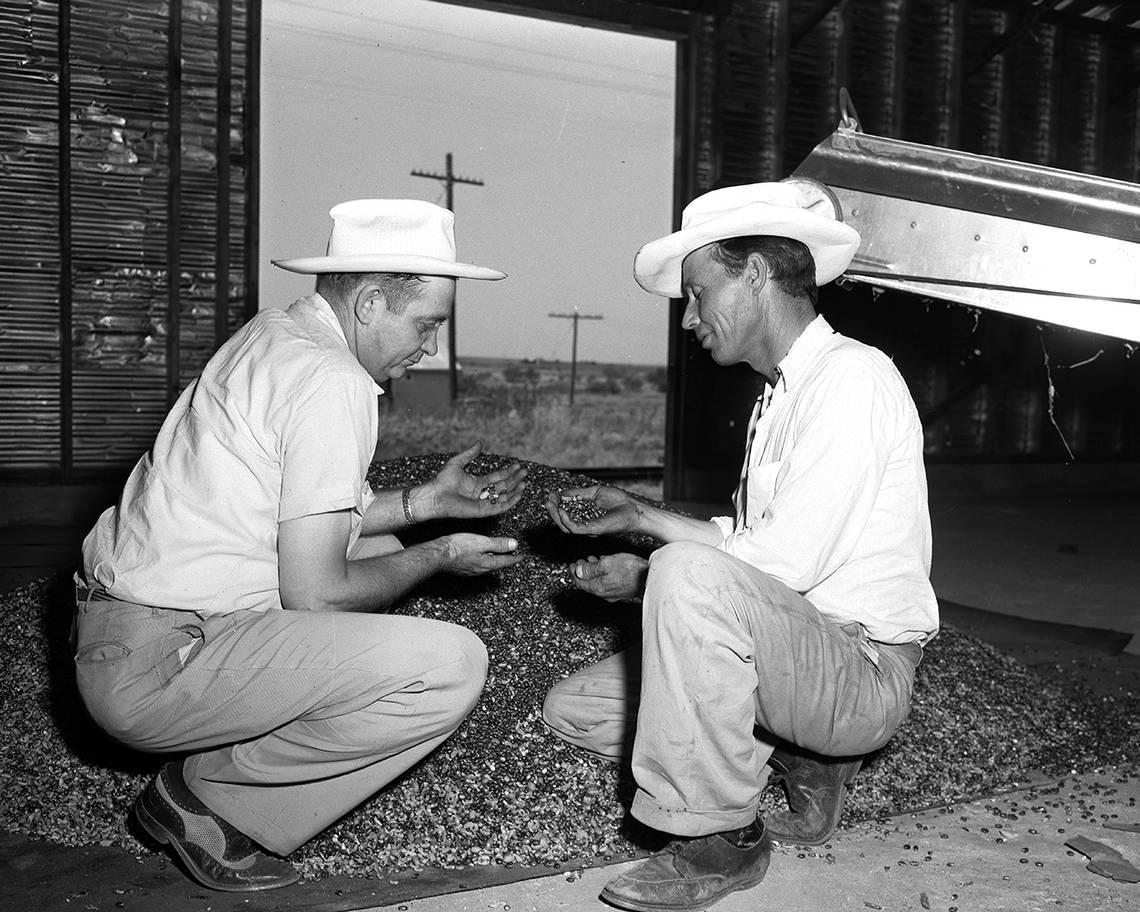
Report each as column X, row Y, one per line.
column 788, row 633
column 226, row 608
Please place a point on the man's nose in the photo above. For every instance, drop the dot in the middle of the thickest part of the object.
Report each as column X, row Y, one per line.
column 431, row 346
column 690, row 319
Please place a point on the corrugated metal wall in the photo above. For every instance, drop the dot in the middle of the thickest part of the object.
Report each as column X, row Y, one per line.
column 153, row 181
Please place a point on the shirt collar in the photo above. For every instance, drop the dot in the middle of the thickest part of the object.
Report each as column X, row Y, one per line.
column 803, row 352
column 322, row 311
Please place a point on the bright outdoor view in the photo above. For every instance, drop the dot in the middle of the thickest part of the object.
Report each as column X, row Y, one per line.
column 553, row 144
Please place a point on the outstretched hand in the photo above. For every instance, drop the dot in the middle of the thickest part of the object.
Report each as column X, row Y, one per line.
column 614, row 577
column 455, row 493
column 594, row 510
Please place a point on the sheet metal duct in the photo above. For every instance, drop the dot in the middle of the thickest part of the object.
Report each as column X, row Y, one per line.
column 1041, row 243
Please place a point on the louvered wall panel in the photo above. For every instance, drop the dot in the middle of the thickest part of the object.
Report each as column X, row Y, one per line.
column 817, row 67
column 1122, row 118
column 932, row 89
column 877, row 50
column 1081, row 103
column 116, row 387
column 753, row 92
column 242, row 172
column 1033, row 84
column 197, row 225
column 119, row 179
column 984, row 84
column 704, row 50
column 29, row 233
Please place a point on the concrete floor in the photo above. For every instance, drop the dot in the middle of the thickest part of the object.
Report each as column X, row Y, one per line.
column 1049, row 576
column 1005, row 853
column 1070, row 557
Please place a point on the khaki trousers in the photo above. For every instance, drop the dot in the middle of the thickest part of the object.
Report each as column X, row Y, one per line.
column 290, row 718
column 729, row 658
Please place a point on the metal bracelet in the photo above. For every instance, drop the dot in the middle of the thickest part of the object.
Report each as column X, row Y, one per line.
column 406, row 499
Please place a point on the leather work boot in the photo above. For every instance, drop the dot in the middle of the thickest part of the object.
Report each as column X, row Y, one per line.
column 816, row 787
column 692, row 874
column 213, row 852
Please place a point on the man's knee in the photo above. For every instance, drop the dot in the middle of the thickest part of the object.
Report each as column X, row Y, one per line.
column 692, row 566
column 461, row 671
column 682, row 559
column 688, row 582
column 591, row 721
column 562, row 709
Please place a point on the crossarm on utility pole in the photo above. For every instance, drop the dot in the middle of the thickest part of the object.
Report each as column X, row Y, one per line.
column 575, row 316
column 450, row 179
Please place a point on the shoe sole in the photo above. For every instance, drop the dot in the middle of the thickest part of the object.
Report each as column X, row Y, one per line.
column 636, row 906
column 163, row 836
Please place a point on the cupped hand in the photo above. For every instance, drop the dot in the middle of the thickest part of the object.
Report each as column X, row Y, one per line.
column 471, row 555
column 614, row 577
column 456, row 493
column 619, row 511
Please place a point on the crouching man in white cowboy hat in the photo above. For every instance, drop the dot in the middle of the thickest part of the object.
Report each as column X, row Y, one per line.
column 227, row 608
column 787, row 634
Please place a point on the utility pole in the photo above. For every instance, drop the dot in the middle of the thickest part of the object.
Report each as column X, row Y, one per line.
column 574, row 348
column 450, row 180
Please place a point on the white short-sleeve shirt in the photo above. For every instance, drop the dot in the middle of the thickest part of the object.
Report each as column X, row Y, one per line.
column 282, row 423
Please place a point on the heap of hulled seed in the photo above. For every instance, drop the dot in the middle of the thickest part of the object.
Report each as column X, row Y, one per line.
column 502, row 790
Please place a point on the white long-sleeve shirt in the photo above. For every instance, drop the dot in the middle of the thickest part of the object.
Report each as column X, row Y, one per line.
column 832, row 497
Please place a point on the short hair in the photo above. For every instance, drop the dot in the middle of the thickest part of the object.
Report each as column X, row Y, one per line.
column 790, row 263
column 399, row 288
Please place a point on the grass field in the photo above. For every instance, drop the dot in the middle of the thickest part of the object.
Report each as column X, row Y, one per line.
column 522, row 409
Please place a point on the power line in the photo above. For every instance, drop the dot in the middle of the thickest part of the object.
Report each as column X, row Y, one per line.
column 575, row 316
column 450, row 179
column 496, row 59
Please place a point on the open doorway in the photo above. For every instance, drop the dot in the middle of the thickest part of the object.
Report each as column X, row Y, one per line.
column 561, row 146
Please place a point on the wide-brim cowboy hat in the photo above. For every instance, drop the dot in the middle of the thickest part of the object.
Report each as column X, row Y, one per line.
column 391, row 235
column 797, row 208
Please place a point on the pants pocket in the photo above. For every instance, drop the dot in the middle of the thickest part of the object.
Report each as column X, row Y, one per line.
column 100, row 652
column 179, row 648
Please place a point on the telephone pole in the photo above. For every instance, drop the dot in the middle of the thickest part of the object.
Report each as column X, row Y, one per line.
column 574, row 347
column 450, row 180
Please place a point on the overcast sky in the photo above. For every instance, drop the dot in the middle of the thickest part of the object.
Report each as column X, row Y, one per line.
column 569, row 128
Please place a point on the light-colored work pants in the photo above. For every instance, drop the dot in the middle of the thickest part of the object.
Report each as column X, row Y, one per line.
column 291, row 718
column 727, row 648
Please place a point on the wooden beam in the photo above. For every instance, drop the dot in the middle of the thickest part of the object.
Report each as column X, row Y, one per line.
column 616, row 15
column 819, row 11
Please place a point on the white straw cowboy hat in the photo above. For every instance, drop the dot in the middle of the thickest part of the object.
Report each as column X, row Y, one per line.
column 391, row 235
column 797, row 208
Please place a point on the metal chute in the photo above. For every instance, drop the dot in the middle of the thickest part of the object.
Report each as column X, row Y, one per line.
column 1041, row 243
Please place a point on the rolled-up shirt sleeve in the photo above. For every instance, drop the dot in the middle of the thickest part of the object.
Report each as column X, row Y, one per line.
column 804, row 511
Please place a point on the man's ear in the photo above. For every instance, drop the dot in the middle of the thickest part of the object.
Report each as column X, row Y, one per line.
column 369, row 302
column 755, row 272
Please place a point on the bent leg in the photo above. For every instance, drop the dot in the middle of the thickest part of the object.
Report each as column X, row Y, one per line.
column 293, row 717
column 596, row 708
column 383, row 692
column 726, row 647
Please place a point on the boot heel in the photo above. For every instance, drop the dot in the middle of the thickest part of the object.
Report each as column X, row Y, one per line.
column 153, row 828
